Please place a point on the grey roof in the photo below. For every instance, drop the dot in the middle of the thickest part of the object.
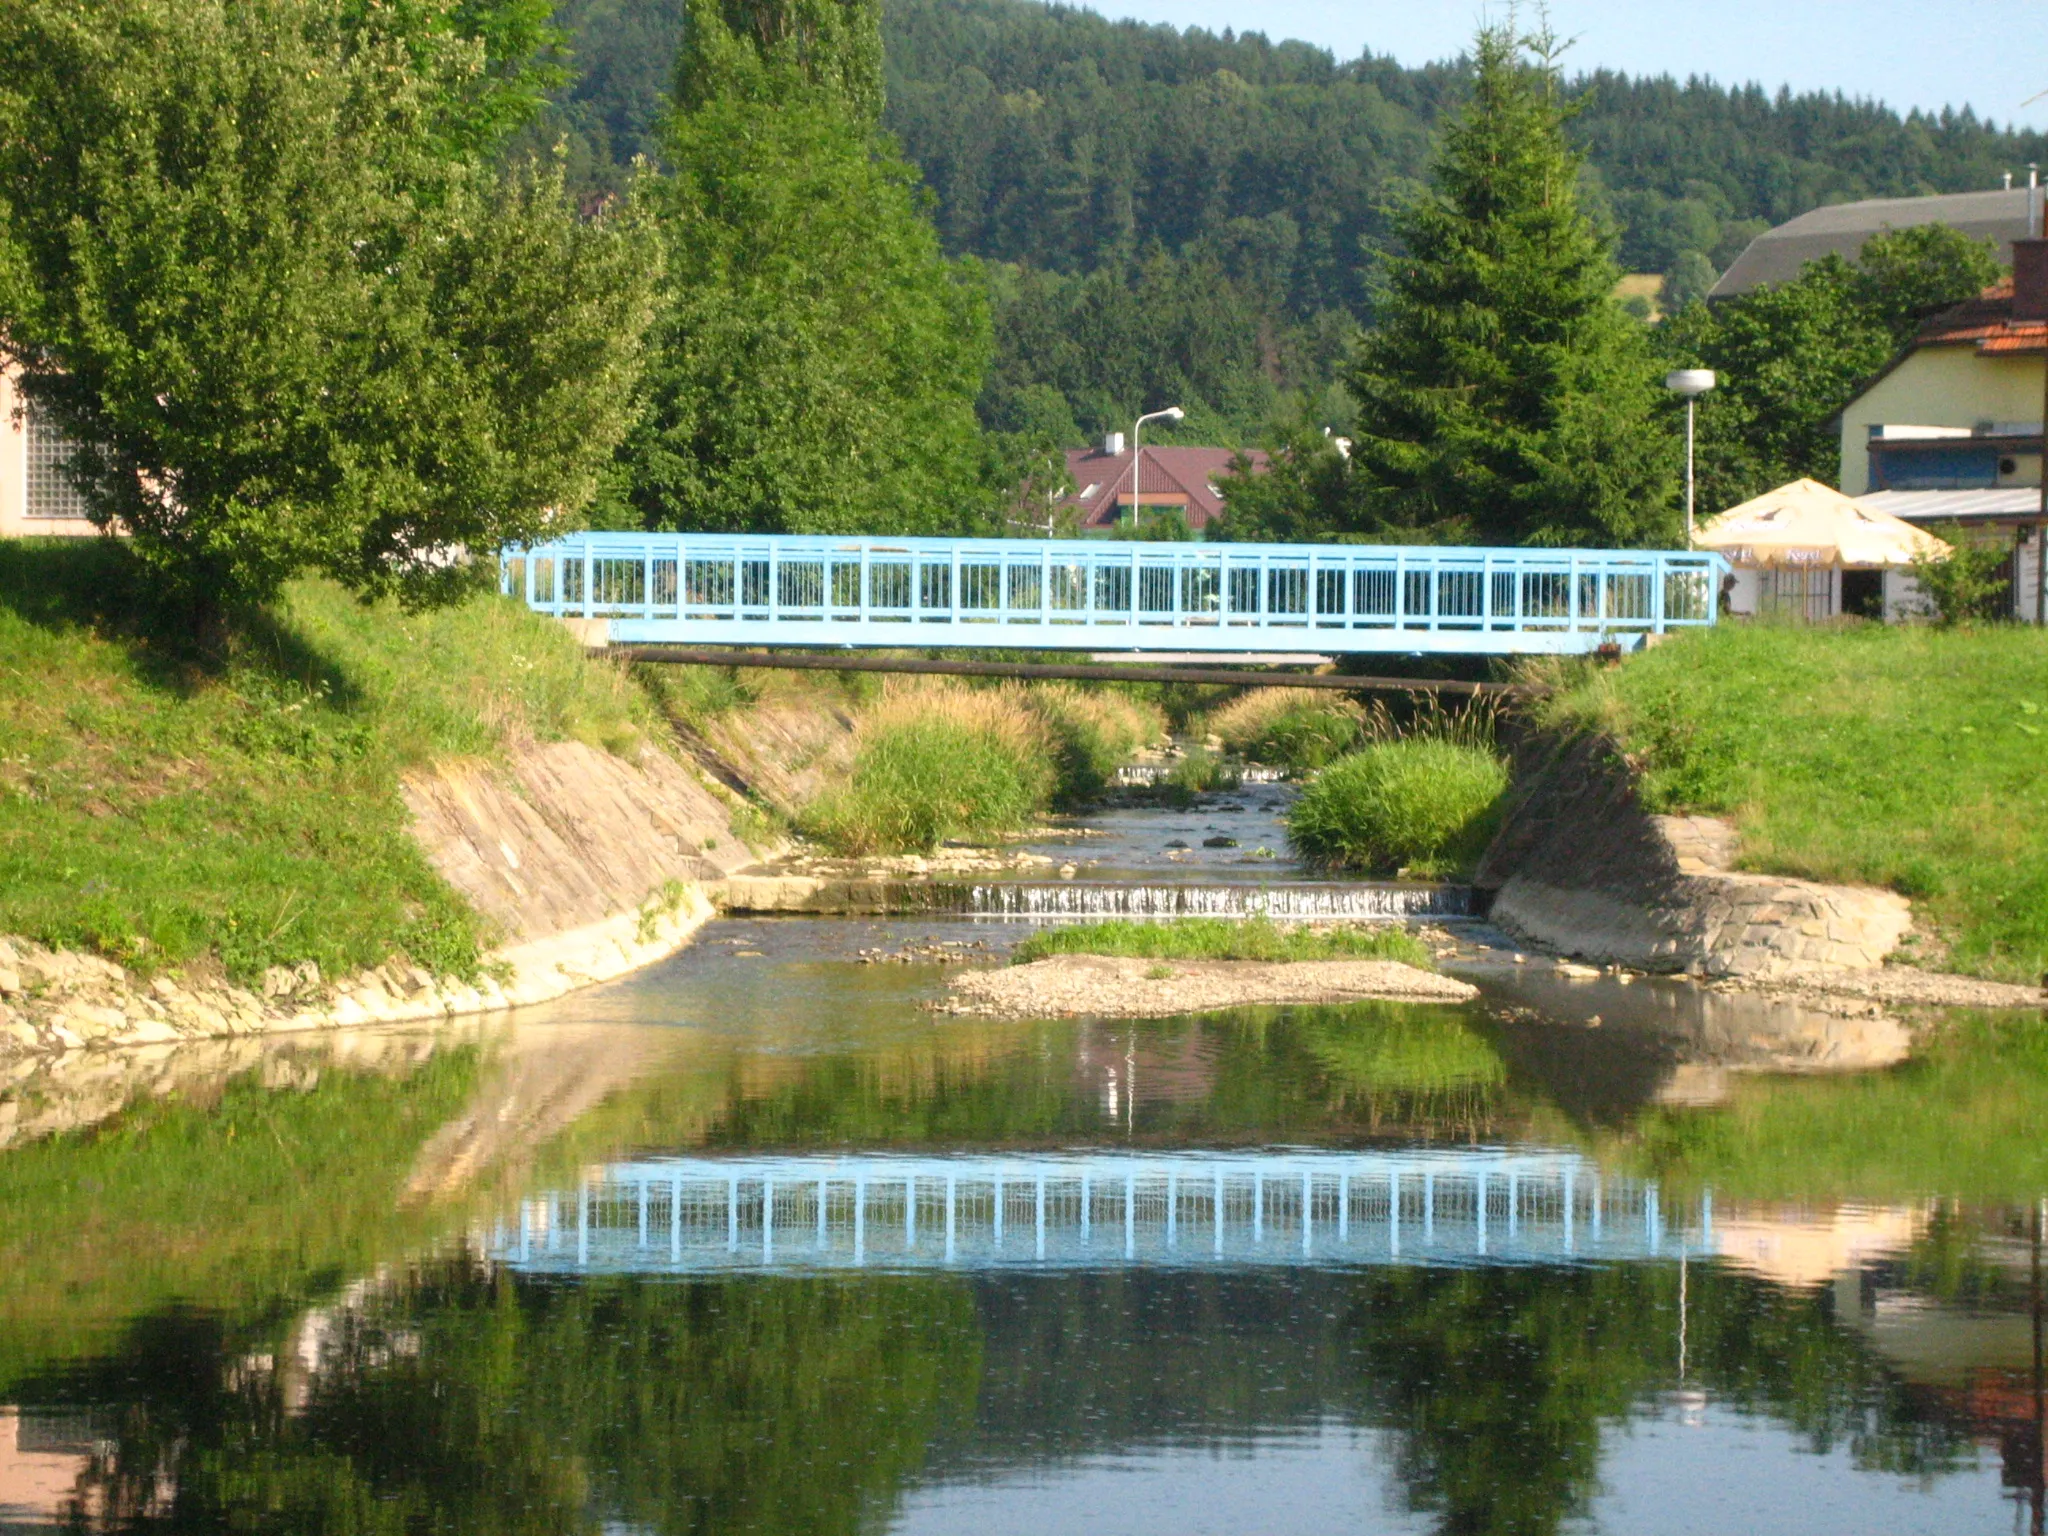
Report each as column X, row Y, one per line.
column 1776, row 255
column 2011, row 501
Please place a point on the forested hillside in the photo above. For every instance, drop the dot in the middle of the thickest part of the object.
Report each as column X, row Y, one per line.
column 1192, row 216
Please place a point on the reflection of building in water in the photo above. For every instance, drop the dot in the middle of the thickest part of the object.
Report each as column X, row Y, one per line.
column 1803, row 1245
column 1431, row 1206
column 41, row 1464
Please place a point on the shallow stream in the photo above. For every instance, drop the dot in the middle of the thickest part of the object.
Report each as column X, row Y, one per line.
column 752, row 1241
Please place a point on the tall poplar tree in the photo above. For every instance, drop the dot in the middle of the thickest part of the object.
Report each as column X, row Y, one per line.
column 1503, row 395
column 818, row 358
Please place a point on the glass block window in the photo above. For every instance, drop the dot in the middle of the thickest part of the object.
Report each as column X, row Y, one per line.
column 50, row 491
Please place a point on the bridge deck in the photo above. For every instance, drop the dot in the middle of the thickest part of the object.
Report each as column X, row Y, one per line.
column 1018, row 594
column 707, row 1215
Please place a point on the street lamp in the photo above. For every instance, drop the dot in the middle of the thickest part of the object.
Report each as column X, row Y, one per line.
column 1171, row 413
column 1691, row 383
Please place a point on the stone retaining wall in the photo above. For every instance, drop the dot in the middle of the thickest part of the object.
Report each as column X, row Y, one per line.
column 1581, row 868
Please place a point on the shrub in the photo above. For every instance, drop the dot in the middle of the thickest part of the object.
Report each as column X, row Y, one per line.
column 1423, row 803
column 1093, row 732
column 936, row 763
column 1297, row 728
column 1969, row 584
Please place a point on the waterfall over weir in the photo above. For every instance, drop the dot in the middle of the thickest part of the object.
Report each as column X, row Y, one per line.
column 1293, row 902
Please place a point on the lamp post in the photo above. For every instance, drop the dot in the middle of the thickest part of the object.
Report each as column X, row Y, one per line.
column 1171, row 413
column 1691, row 383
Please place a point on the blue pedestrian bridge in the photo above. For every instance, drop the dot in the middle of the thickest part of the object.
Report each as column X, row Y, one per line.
column 1469, row 1206
column 701, row 589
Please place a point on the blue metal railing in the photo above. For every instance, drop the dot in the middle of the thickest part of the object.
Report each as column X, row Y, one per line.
column 743, row 589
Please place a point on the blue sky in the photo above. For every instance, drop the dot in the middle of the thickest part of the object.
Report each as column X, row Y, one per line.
column 1991, row 54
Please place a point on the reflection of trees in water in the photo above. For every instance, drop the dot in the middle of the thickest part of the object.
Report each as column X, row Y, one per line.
column 1259, row 1073
column 462, row 1400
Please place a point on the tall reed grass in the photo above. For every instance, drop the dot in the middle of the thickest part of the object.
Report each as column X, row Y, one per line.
column 1295, row 728
column 935, row 762
column 1421, row 797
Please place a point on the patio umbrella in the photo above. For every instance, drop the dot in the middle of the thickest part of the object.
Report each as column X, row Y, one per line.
column 1807, row 523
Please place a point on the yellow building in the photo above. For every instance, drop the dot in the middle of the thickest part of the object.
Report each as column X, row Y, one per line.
column 1950, row 432
column 35, row 496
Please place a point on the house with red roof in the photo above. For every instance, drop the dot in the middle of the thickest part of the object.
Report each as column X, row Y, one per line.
column 1194, row 482
column 1950, row 431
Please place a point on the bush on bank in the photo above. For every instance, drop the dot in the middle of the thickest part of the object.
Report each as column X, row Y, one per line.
column 947, row 762
column 1296, row 728
column 1424, row 804
column 1901, row 756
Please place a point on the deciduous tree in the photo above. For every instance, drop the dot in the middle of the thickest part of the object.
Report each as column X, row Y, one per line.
column 253, row 262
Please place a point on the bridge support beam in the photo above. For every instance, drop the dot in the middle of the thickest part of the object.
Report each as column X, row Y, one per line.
column 1135, row 672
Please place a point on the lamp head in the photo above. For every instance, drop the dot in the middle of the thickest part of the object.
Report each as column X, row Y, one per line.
column 1689, row 382
column 1174, row 413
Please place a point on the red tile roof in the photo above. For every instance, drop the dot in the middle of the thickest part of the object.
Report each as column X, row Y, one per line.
column 1986, row 323
column 1196, row 480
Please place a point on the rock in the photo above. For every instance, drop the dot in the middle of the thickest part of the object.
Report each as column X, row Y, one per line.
column 1219, row 842
column 10, row 981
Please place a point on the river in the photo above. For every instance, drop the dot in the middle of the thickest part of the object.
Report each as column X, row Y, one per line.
column 754, row 1242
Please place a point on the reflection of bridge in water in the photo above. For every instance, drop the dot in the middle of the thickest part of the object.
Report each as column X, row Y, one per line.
column 699, row 1215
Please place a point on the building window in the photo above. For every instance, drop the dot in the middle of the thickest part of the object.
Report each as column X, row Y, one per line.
column 50, row 491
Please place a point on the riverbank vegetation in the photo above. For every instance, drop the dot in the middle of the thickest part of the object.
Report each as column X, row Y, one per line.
column 1902, row 756
column 936, row 763
column 1423, row 805
column 161, row 804
column 1215, row 938
column 1299, row 729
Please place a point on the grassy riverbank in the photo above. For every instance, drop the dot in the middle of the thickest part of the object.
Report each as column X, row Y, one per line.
column 1906, row 757
column 165, row 805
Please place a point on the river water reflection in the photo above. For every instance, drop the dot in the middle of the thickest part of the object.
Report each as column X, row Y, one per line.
column 753, row 1242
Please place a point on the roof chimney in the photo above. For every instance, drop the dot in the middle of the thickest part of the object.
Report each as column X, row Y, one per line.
column 2030, row 279
column 1112, row 443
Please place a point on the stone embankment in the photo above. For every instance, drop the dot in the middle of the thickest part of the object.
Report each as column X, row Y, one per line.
column 1123, row 988
column 1582, row 869
column 587, row 866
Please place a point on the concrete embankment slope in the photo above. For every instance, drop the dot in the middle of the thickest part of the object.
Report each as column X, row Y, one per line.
column 587, row 865
column 1581, row 868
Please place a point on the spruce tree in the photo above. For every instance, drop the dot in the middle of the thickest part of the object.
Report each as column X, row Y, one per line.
column 1504, row 396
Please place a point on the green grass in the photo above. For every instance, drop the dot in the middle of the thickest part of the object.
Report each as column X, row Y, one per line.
column 1906, row 757
column 165, row 807
column 1299, row 729
column 1424, row 804
column 1216, row 938
column 941, row 763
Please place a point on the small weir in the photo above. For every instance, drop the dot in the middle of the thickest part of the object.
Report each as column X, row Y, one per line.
column 1302, row 902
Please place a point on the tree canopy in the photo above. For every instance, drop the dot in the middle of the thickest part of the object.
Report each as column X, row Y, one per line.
column 1791, row 356
column 818, row 357
column 252, row 261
